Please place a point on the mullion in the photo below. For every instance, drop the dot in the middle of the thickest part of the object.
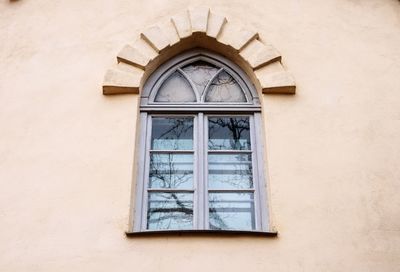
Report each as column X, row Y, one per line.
column 200, row 166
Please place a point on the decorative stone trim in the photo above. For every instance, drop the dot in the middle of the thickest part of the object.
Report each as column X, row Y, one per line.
column 258, row 54
column 199, row 19
column 156, row 38
column 236, row 36
column 198, row 27
column 133, row 56
column 117, row 81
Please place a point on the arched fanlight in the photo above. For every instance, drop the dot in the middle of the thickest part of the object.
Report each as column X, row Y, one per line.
column 199, row 79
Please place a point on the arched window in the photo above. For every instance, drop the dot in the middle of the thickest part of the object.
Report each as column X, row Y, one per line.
column 200, row 164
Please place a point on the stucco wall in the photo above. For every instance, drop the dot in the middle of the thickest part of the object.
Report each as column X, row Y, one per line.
column 333, row 149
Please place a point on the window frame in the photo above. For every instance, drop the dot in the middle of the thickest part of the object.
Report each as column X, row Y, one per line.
column 201, row 111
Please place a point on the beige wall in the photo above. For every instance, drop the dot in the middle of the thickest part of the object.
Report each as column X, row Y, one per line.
column 66, row 150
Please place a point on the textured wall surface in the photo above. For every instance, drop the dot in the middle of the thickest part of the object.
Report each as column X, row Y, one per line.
column 333, row 149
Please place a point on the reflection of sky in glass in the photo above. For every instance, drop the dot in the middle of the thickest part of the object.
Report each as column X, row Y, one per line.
column 172, row 133
column 175, row 89
column 231, row 211
column 225, row 89
column 200, row 73
column 171, row 171
column 229, row 133
column 170, row 211
column 229, row 171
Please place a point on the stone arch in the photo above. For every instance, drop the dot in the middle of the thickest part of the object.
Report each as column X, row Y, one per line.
column 198, row 28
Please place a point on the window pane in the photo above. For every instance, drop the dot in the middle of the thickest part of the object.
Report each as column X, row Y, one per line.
column 200, row 72
column 233, row 171
column 231, row 211
column 170, row 211
column 224, row 88
column 175, row 89
column 229, row 133
column 171, row 171
column 172, row 133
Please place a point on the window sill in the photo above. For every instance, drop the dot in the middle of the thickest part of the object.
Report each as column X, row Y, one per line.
column 201, row 233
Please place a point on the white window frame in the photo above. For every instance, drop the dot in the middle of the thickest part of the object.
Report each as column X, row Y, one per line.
column 200, row 111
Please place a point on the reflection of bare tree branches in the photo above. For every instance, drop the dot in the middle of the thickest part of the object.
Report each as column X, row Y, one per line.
column 171, row 211
column 216, row 218
column 173, row 137
column 223, row 79
column 231, row 133
column 231, row 212
column 230, row 171
column 171, row 170
column 175, row 89
column 167, row 172
column 233, row 129
column 200, row 73
column 224, row 88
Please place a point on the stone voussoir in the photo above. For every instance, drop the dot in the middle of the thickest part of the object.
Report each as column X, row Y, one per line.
column 168, row 28
column 156, row 38
column 263, row 59
column 258, row 54
column 133, row 56
column 182, row 24
column 277, row 83
column 199, row 19
column 236, row 36
column 119, row 82
column 215, row 24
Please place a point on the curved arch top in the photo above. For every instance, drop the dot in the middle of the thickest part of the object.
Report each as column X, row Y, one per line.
column 182, row 64
column 198, row 28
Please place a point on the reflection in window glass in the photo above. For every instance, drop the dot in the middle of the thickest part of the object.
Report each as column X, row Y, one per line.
column 170, row 211
column 175, row 89
column 200, row 73
column 171, row 171
column 229, row 133
column 230, row 171
column 224, row 88
column 231, row 211
column 172, row 133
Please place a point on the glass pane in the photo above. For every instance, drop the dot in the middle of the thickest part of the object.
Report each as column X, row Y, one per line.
column 169, row 133
column 229, row 133
column 175, row 89
column 225, row 89
column 200, row 73
column 230, row 171
column 171, row 171
column 170, row 211
column 231, row 211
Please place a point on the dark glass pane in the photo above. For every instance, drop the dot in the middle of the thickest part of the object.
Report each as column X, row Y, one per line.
column 224, row 88
column 171, row 171
column 229, row 133
column 169, row 133
column 200, row 73
column 175, row 89
column 170, row 211
column 231, row 211
column 230, row 171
